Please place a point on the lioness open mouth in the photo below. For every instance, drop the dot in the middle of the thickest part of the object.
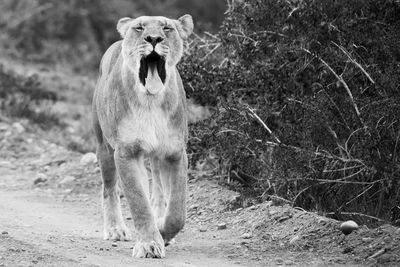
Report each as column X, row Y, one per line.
column 152, row 72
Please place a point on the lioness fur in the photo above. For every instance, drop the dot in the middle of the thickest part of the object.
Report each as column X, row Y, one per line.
column 139, row 111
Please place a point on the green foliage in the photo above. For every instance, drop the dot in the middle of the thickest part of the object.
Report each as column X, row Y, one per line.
column 324, row 77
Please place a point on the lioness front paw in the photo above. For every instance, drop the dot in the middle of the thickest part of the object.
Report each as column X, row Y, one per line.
column 117, row 233
column 148, row 250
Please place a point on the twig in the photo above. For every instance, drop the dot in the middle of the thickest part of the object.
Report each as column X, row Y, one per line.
column 343, row 182
column 244, row 37
column 343, row 169
column 272, row 32
column 354, row 62
column 212, row 35
column 231, row 6
column 354, row 198
column 223, row 62
column 343, row 82
column 316, row 153
column 301, row 192
column 377, row 254
column 356, row 214
column 211, row 51
column 230, row 131
column 330, row 130
column 264, row 125
column 337, row 108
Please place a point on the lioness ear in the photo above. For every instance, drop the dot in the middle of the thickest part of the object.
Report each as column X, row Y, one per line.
column 122, row 26
column 186, row 22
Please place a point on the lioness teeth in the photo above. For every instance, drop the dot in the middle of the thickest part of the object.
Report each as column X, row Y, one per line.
column 152, row 72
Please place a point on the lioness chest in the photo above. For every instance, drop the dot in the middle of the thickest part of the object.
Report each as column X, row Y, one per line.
column 152, row 130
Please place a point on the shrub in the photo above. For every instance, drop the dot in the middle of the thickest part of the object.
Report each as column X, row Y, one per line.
column 307, row 101
column 22, row 96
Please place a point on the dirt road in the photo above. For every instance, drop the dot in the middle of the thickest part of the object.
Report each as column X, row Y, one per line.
column 45, row 221
column 50, row 215
column 70, row 235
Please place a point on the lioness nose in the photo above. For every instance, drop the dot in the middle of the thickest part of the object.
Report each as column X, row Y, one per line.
column 154, row 39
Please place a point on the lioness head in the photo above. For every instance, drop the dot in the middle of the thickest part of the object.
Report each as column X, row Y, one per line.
column 152, row 46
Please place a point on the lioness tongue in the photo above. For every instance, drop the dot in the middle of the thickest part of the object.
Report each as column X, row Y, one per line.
column 153, row 81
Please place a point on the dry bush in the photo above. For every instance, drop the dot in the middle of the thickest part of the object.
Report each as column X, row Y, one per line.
column 25, row 97
column 306, row 101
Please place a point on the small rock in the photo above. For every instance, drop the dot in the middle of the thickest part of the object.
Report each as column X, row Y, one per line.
column 4, row 233
column 203, row 229
column 40, row 178
column 88, row 158
column 347, row 250
column 278, row 261
column 288, row 262
column 101, row 249
column 348, row 226
column 18, row 127
column 114, row 244
column 67, row 179
column 221, row 226
column 246, row 236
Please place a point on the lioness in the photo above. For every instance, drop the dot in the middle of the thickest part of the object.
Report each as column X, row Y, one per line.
column 139, row 111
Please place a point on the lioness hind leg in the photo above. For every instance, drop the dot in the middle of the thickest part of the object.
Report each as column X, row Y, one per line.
column 158, row 202
column 114, row 226
column 174, row 173
column 132, row 171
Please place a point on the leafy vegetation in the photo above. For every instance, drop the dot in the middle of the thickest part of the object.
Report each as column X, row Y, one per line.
column 21, row 96
column 306, row 97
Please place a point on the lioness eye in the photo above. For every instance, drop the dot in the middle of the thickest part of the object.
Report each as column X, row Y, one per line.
column 167, row 29
column 139, row 28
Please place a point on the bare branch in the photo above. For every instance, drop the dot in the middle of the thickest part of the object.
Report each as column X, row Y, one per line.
column 354, row 198
column 354, row 62
column 342, row 81
column 264, row 125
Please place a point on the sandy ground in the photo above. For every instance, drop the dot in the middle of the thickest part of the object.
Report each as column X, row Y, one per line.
column 50, row 215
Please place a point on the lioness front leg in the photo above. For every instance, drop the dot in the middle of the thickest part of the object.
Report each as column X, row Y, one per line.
column 114, row 226
column 174, row 173
column 158, row 202
column 131, row 168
